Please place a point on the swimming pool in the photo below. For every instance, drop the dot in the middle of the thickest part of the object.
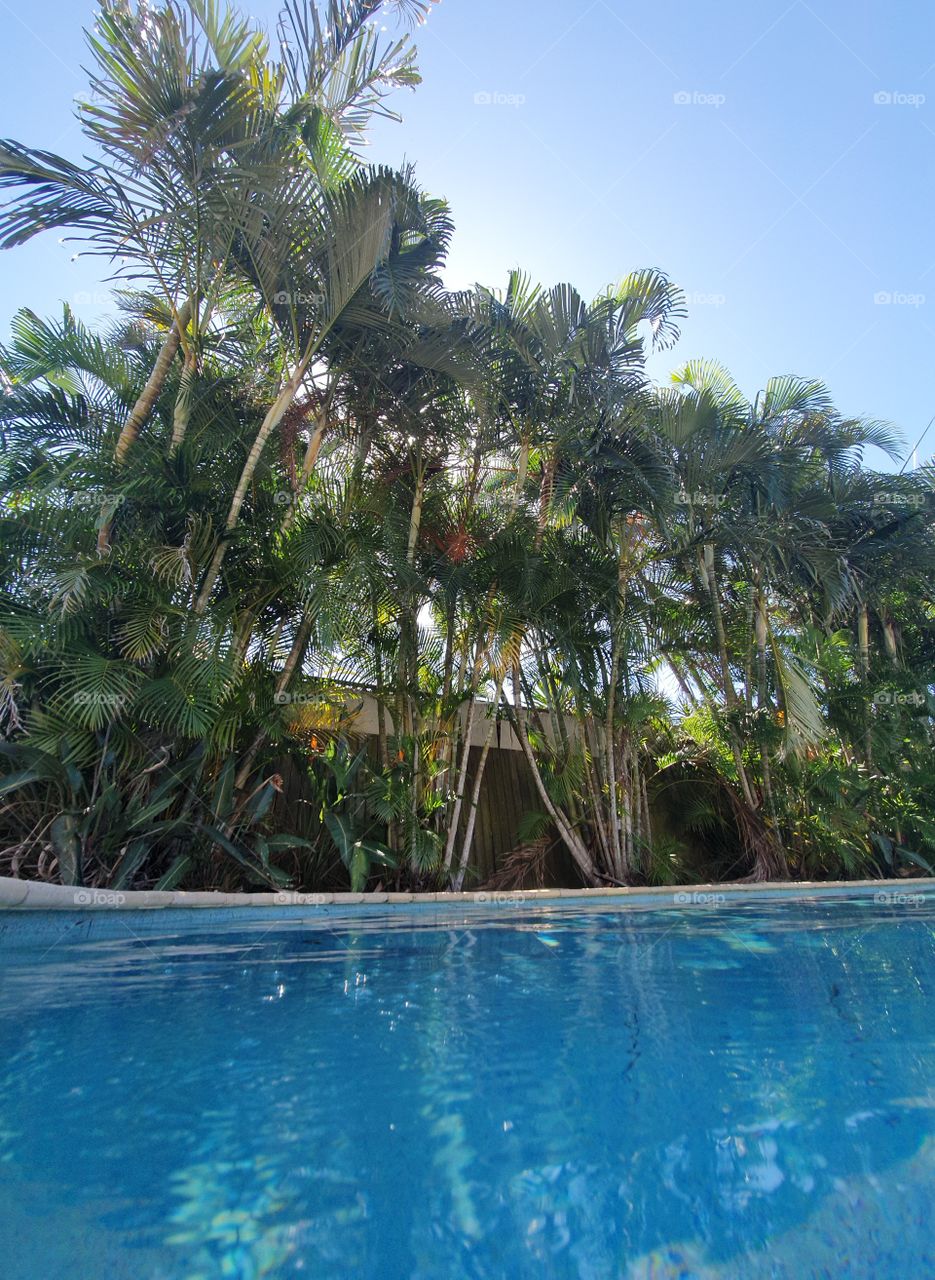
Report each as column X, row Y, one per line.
column 720, row 1088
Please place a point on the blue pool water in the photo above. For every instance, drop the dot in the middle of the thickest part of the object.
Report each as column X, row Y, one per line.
column 735, row 1090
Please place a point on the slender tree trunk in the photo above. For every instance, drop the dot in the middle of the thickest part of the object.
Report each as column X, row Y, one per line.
column 600, row 824
column 382, row 745
column 572, row 840
column 414, row 797
column 611, row 764
column 635, row 807
column 626, row 774
column 415, row 515
column 761, row 624
column 270, row 422
column 647, row 822
column 154, row 384
column 455, row 817
column 889, row 641
column 709, row 578
column 761, row 637
column 282, row 684
column 546, row 489
column 475, row 797
column 183, row 403
column 408, row 629
column 863, row 646
column 621, row 862
column 449, row 663
column 752, row 599
column 242, row 637
column 144, row 407
column 444, row 726
column 522, row 471
column 308, row 466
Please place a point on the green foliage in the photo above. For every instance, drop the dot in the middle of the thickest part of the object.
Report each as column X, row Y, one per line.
column 298, row 474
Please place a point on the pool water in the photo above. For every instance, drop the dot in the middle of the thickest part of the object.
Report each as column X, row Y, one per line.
column 711, row 1090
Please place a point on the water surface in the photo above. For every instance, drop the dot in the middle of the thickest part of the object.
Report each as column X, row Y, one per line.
column 735, row 1090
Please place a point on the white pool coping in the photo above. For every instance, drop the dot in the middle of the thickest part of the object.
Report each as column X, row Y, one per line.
column 25, row 895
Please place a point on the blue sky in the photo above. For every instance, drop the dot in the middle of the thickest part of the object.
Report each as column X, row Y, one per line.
column 776, row 159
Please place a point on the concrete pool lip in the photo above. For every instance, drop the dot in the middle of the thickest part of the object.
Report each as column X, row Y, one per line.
column 33, row 914
column 35, row 895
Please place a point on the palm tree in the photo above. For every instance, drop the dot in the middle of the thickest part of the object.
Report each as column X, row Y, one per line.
column 198, row 135
column 575, row 371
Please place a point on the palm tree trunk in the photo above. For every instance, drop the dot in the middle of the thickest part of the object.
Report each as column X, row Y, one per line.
column 761, row 624
column 635, row 807
column 183, row 403
column 455, row 817
column 382, row 746
column 282, row 684
column 616, row 843
column 609, row 736
column 709, row 578
column 598, row 809
column 761, row 637
column 647, row 821
column 863, row 646
column 889, row 640
column 522, row 471
column 270, row 422
column 308, row 466
column 546, row 489
column 409, row 621
column 475, row 796
column 572, row 840
column 154, row 384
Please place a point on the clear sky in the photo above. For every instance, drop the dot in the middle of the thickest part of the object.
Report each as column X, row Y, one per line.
column 776, row 159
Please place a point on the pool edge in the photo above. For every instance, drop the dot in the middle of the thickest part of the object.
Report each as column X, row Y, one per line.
column 31, row 895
